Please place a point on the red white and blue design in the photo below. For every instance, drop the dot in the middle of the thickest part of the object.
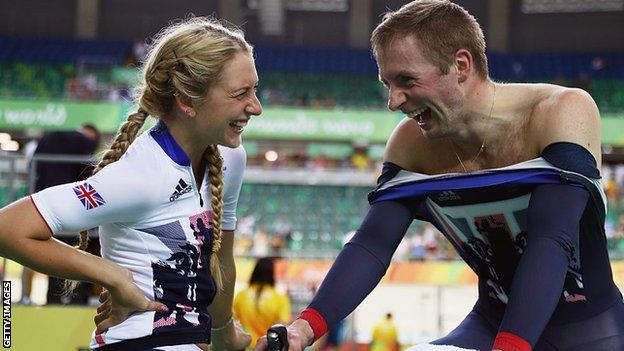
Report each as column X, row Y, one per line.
column 164, row 243
column 88, row 196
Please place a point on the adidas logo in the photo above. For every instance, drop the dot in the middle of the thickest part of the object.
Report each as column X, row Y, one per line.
column 447, row 196
column 180, row 189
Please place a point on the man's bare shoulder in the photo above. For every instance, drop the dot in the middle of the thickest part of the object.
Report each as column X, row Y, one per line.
column 566, row 115
column 407, row 146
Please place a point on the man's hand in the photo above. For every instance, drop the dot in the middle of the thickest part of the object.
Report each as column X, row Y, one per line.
column 300, row 335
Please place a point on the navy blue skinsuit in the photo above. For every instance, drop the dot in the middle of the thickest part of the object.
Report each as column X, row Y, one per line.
column 533, row 233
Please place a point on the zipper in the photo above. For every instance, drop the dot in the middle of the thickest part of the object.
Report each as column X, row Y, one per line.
column 194, row 185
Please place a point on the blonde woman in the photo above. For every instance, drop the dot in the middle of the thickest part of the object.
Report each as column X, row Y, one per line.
column 164, row 201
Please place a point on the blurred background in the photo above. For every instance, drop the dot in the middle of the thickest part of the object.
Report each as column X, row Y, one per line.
column 315, row 152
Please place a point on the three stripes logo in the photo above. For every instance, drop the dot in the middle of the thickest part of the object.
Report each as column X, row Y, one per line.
column 448, row 196
column 180, row 189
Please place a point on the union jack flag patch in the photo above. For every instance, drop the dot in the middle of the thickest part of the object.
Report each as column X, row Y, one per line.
column 88, row 196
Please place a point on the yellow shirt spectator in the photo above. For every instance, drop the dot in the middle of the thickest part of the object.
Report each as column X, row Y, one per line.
column 385, row 336
column 260, row 305
column 257, row 314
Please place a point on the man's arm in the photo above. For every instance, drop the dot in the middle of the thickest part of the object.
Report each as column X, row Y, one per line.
column 552, row 242
column 357, row 270
column 568, row 116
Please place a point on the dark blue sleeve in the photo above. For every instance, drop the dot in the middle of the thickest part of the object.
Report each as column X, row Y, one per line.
column 572, row 157
column 363, row 261
column 552, row 239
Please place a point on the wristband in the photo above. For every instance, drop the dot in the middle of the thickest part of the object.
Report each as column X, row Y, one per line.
column 316, row 321
column 510, row 342
column 230, row 321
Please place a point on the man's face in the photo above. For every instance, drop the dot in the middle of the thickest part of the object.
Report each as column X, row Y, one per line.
column 417, row 88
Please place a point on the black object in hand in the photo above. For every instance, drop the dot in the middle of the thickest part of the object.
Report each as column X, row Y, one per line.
column 277, row 337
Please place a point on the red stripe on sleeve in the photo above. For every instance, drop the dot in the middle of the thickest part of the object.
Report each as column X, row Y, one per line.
column 510, row 342
column 40, row 215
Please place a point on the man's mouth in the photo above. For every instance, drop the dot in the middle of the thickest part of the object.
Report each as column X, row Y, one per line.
column 418, row 113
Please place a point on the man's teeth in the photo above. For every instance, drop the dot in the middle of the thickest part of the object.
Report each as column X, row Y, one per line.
column 417, row 112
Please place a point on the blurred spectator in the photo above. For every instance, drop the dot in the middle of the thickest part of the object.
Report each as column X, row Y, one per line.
column 359, row 159
column 334, row 338
column 282, row 231
column 80, row 142
column 319, row 162
column 260, row 243
column 615, row 242
column 261, row 305
column 83, row 87
column 244, row 235
column 245, row 226
column 517, row 69
column 581, row 82
column 598, row 65
column 73, row 87
column 139, row 50
column 418, row 251
column 431, row 238
column 385, row 335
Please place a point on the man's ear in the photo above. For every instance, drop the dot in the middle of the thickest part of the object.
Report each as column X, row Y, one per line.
column 184, row 104
column 462, row 61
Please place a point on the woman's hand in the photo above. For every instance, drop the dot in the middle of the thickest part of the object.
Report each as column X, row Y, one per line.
column 229, row 337
column 121, row 300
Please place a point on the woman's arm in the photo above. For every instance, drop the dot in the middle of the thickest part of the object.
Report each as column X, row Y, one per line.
column 225, row 334
column 26, row 238
column 221, row 308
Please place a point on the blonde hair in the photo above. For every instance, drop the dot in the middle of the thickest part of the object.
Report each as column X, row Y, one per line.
column 441, row 27
column 186, row 59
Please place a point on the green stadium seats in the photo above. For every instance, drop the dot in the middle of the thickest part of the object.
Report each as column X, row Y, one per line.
column 319, row 216
column 324, row 90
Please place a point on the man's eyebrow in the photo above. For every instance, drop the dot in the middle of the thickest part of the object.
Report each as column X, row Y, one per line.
column 400, row 74
column 406, row 73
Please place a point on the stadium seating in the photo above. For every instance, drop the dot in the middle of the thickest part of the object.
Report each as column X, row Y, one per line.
column 290, row 75
column 51, row 80
column 340, row 209
column 61, row 50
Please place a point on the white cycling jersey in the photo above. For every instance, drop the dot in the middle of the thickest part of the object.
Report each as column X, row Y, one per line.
column 155, row 222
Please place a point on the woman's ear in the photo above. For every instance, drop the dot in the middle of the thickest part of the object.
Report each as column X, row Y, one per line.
column 184, row 104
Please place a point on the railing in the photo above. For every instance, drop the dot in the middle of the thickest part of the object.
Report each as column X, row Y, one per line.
column 18, row 174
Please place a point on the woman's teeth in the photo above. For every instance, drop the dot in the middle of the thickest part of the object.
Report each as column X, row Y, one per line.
column 238, row 125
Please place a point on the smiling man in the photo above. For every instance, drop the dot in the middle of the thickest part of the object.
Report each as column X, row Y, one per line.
column 509, row 173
